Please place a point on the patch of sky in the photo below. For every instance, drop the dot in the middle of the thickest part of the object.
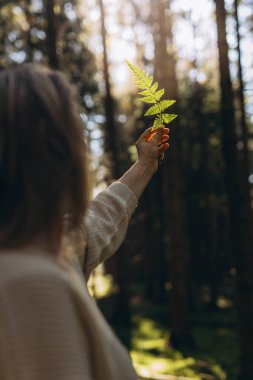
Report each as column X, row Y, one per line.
column 99, row 119
column 94, row 15
column 111, row 27
column 127, row 33
column 17, row 10
column 37, row 5
column 96, row 44
column 233, row 55
column 40, row 34
column 37, row 56
column 123, row 49
column 96, row 147
column 149, row 51
column 244, row 11
column 88, row 101
column 84, row 118
column 122, row 118
column 12, row 36
column 19, row 44
column 18, row 57
column 101, row 85
column 69, row 12
column 96, row 134
column 75, row 47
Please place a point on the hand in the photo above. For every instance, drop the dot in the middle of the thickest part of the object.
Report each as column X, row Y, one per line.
column 152, row 145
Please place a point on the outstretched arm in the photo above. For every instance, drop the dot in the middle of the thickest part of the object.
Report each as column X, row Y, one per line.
column 150, row 147
column 108, row 215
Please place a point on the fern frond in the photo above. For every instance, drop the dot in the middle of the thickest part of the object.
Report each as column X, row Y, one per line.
column 144, row 81
column 148, row 99
column 154, row 87
column 144, row 93
column 154, row 110
column 151, row 90
column 159, row 94
column 164, row 104
column 157, row 123
column 168, row 117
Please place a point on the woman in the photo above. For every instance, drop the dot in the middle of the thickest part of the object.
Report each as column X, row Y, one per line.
column 51, row 239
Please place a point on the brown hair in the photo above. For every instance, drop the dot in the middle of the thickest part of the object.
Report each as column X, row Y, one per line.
column 42, row 154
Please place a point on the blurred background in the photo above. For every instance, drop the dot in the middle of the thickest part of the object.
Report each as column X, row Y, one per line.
column 179, row 294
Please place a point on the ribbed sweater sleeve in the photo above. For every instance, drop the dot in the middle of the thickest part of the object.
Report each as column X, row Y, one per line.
column 106, row 223
column 41, row 332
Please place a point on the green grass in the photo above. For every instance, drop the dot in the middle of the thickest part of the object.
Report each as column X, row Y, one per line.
column 150, row 354
column 215, row 352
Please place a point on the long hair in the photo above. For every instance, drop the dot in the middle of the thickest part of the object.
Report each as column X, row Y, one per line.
column 43, row 156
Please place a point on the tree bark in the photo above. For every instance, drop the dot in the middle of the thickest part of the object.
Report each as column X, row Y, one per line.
column 155, row 256
column 111, row 132
column 119, row 263
column 51, row 34
column 238, row 191
column 29, row 50
column 244, row 126
column 174, row 203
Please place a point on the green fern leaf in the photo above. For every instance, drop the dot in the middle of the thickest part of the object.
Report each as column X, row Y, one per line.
column 151, row 95
column 168, row 117
column 151, row 90
column 144, row 81
column 141, row 85
column 144, row 93
column 150, row 81
column 164, row 104
column 154, row 87
column 157, row 123
column 159, row 94
column 148, row 99
column 130, row 64
column 154, row 110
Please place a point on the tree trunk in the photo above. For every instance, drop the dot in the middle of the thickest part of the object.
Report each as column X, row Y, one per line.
column 51, row 34
column 29, row 17
column 155, row 259
column 111, row 131
column 244, row 126
column 118, row 264
column 238, row 191
column 174, row 203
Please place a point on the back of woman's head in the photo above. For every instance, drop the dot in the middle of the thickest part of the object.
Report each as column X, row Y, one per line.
column 42, row 154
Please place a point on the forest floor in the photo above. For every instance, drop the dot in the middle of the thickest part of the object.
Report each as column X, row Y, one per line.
column 214, row 355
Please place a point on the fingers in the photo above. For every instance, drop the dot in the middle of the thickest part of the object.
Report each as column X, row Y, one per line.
column 158, row 136
column 150, row 136
column 146, row 136
column 165, row 138
column 162, row 149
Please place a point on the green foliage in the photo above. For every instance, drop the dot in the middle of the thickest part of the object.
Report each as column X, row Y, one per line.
column 153, row 96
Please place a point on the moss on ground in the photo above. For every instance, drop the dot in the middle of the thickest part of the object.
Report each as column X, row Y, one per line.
column 214, row 354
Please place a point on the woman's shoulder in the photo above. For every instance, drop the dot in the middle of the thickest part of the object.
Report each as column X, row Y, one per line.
column 21, row 267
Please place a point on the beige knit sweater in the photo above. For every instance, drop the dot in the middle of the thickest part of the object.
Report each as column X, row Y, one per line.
column 50, row 328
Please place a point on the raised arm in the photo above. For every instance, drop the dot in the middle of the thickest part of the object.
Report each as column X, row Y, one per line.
column 150, row 147
column 107, row 218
